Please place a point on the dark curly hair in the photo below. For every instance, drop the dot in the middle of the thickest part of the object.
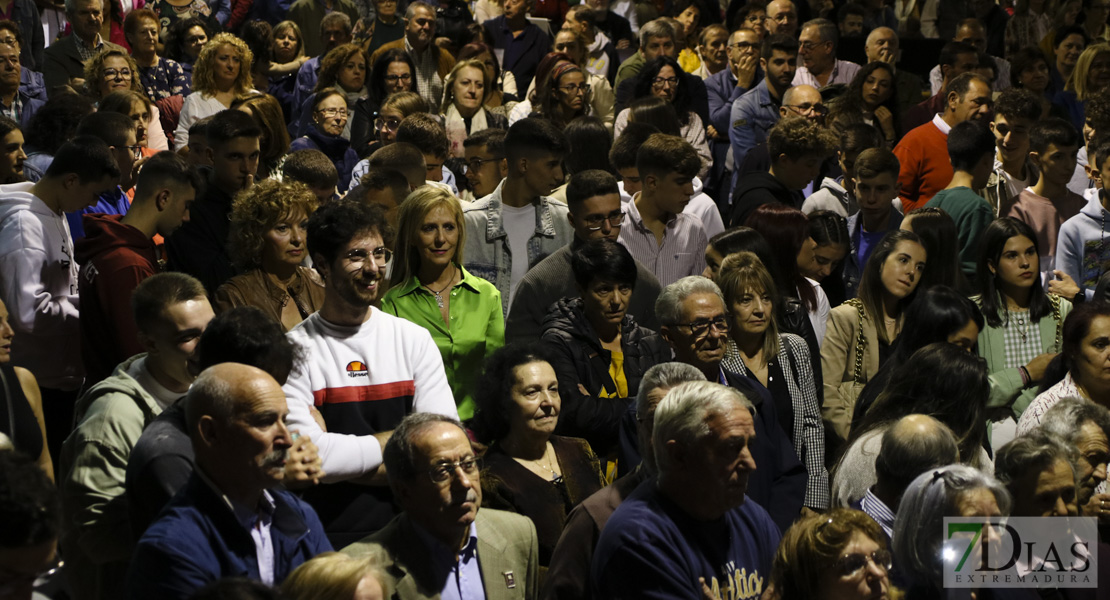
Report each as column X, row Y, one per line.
column 57, row 121
column 682, row 99
column 248, row 336
column 175, row 38
column 335, row 224
column 492, row 398
column 375, row 83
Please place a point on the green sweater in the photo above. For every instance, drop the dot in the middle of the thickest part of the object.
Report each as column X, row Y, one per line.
column 972, row 213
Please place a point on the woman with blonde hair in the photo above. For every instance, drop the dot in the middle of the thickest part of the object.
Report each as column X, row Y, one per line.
column 465, row 91
column 430, row 287
column 268, row 242
column 1090, row 77
column 112, row 70
column 337, row 576
column 222, row 73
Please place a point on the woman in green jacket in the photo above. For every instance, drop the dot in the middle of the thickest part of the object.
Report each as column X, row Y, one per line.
column 430, row 287
column 1023, row 322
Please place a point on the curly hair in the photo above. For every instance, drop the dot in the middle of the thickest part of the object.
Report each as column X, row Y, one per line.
column 256, row 211
column 683, row 101
column 449, row 81
column 333, row 62
column 94, row 70
column 204, row 80
column 411, row 217
column 811, row 548
column 797, row 138
column 175, row 38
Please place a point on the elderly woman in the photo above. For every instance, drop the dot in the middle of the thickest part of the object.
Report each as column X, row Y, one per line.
column 221, row 73
column 464, row 113
column 528, row 470
column 274, row 143
column 839, row 555
column 1082, row 369
column 1090, row 78
column 21, row 417
column 343, row 69
column 329, row 117
column 268, row 243
column 1084, row 427
column 160, row 77
column 952, row 491
column 430, row 287
column 336, row 576
column 393, row 72
column 780, row 363
column 598, row 351
column 112, row 70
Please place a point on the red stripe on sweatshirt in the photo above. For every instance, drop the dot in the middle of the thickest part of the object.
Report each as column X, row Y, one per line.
column 364, row 393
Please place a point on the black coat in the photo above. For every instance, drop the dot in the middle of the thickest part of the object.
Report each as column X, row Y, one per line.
column 579, row 359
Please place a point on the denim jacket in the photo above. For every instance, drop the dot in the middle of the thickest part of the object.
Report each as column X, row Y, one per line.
column 487, row 253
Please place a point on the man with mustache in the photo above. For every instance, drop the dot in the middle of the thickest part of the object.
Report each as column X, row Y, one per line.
column 444, row 544
column 230, row 519
column 364, row 369
column 171, row 311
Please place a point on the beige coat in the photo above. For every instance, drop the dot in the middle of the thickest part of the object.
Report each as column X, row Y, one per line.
column 838, row 361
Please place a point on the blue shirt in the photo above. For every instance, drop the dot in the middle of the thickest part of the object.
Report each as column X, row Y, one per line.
column 463, row 579
column 867, row 242
column 112, row 202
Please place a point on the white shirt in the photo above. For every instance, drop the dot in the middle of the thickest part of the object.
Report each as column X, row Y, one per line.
column 163, row 396
column 519, row 224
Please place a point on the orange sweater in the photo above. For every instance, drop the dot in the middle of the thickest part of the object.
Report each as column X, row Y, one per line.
column 926, row 170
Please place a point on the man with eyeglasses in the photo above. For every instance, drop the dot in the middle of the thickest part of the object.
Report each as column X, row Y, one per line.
column 754, row 113
column 696, row 324
column 15, row 102
column 882, row 45
column 594, row 211
column 782, row 18
column 365, row 370
column 444, row 544
column 65, row 58
column 724, row 88
column 119, row 134
column 232, row 518
column 485, row 162
column 817, row 49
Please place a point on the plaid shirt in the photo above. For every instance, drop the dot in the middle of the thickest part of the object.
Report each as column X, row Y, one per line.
column 86, row 52
column 428, row 82
column 1020, row 351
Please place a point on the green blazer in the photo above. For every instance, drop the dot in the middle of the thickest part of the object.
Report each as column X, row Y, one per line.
column 508, row 554
column 1006, row 387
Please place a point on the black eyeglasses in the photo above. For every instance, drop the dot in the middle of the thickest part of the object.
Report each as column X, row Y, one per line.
column 850, row 565
column 595, row 223
column 444, row 471
column 700, row 328
column 808, row 109
column 475, row 164
column 396, row 78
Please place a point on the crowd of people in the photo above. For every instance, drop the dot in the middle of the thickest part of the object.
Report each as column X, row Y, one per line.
column 366, row 299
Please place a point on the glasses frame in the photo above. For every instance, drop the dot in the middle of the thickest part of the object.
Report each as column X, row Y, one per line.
column 720, row 323
column 614, row 221
column 446, row 471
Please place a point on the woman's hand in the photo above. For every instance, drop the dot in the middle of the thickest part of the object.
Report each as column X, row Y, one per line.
column 303, row 465
column 1037, row 366
column 1063, row 286
column 886, row 121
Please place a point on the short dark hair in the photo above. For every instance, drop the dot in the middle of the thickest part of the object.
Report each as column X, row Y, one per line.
column 1022, row 60
column 603, row 259
column 1053, row 130
column 622, row 155
column 531, row 136
column 492, row 138
column 876, row 161
column 798, row 138
column 587, row 184
column 7, row 125
column 950, row 52
column 663, row 154
column 310, row 167
column 385, row 179
column 425, row 132
column 112, row 127
column 859, row 137
column 335, row 224
column 1102, row 152
column 229, row 124
column 401, row 157
column 1096, row 111
column 961, row 84
column 778, row 41
column 86, row 156
column 199, row 128
column 968, row 143
column 12, row 26
column 248, row 336
column 1062, row 33
column 55, row 121
column 167, row 168
column 848, row 10
column 30, row 506
column 157, row 292
column 1018, row 103
column 589, row 142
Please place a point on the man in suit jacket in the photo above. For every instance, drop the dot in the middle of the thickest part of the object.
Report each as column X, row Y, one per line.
column 442, row 540
column 432, row 62
column 65, row 59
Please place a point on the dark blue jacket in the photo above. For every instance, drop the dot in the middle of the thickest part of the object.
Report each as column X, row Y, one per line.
column 26, row 14
column 198, row 539
column 522, row 54
column 337, row 148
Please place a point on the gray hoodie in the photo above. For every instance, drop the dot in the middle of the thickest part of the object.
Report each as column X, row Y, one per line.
column 1083, row 245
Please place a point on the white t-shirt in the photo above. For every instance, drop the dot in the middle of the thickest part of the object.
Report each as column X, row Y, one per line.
column 163, row 396
column 520, row 225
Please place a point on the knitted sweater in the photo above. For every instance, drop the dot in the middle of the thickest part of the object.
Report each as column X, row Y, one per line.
column 926, row 168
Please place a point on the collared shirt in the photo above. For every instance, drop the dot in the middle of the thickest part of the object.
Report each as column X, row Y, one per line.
column 428, row 81
column 941, row 124
column 15, row 111
column 463, row 580
column 843, row 71
column 86, row 52
column 879, row 511
column 258, row 521
column 681, row 253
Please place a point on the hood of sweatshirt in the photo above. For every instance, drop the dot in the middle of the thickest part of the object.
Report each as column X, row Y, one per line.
column 1093, row 210
column 600, row 40
column 106, row 232
column 834, row 186
column 16, row 197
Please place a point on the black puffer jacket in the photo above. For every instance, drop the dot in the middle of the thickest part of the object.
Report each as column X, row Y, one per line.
column 580, row 360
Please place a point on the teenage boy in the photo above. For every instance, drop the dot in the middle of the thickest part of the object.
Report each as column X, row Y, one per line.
column 797, row 148
column 314, row 169
column 669, row 243
column 485, row 162
column 971, row 149
column 119, row 252
column 199, row 248
column 38, row 275
column 839, row 195
column 517, row 226
column 119, row 132
column 1083, row 248
column 1015, row 112
column 1096, row 125
column 401, row 157
column 876, row 183
column 1053, row 144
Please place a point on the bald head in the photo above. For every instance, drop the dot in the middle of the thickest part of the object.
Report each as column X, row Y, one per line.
column 911, row 446
column 798, row 101
column 882, row 44
column 782, row 18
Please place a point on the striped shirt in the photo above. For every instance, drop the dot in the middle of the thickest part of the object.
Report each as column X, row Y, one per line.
column 681, row 253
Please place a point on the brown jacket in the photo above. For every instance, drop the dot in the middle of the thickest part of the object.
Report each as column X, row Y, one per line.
column 255, row 288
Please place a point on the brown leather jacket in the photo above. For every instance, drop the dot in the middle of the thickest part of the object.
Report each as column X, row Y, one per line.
column 256, row 288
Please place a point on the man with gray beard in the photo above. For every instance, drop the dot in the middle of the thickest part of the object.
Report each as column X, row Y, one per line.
column 230, row 519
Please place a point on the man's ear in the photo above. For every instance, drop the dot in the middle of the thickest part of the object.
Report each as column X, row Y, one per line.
column 162, row 199
column 208, row 152
column 206, row 428
column 763, row 64
column 320, row 265
column 147, row 343
column 503, row 167
column 70, row 181
column 665, row 333
column 570, row 218
column 951, row 99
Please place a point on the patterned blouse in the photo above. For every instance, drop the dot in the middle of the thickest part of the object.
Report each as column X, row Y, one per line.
column 169, row 14
column 164, row 79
